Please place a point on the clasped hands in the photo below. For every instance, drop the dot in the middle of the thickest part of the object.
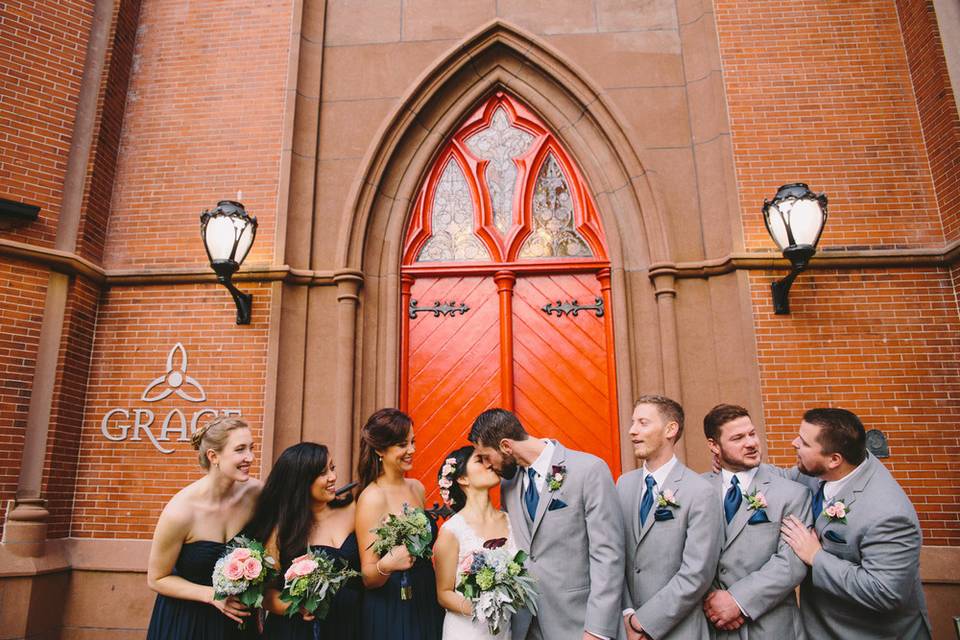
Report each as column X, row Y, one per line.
column 722, row 611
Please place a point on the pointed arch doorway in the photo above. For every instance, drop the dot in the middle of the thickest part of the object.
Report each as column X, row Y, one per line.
column 505, row 293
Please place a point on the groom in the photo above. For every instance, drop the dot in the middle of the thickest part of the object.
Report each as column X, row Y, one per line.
column 563, row 509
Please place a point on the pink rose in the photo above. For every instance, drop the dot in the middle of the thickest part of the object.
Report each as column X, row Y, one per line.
column 302, row 566
column 251, row 568
column 668, row 495
column 761, row 500
column 305, row 556
column 233, row 569
column 290, row 574
column 831, row 511
column 840, row 509
column 240, row 553
column 466, row 563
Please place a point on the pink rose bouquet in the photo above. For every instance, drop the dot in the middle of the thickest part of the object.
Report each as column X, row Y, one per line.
column 311, row 582
column 242, row 572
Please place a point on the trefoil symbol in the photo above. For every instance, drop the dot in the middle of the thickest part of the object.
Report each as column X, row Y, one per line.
column 175, row 380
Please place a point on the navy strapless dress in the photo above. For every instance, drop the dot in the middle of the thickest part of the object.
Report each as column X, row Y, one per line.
column 385, row 615
column 342, row 620
column 175, row 619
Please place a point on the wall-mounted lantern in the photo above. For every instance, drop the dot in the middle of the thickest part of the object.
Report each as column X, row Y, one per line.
column 795, row 219
column 228, row 234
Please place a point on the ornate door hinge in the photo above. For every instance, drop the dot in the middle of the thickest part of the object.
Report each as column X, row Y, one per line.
column 438, row 309
column 574, row 307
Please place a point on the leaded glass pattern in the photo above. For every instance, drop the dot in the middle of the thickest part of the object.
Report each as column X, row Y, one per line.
column 500, row 143
column 453, row 238
column 553, row 234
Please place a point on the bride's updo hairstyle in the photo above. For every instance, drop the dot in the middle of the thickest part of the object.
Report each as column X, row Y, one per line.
column 453, row 468
column 213, row 436
column 384, row 429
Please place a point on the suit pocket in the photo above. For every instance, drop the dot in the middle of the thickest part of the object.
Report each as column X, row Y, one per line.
column 759, row 517
column 834, row 537
column 662, row 515
column 556, row 503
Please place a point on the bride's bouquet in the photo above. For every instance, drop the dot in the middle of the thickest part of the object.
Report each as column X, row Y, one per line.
column 412, row 530
column 312, row 581
column 242, row 572
column 497, row 584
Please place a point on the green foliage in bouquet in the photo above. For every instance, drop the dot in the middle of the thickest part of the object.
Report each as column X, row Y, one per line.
column 412, row 530
column 311, row 583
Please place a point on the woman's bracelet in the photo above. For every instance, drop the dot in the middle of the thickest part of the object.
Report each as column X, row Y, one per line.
column 379, row 571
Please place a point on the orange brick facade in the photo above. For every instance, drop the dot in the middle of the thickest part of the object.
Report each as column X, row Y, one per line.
column 720, row 102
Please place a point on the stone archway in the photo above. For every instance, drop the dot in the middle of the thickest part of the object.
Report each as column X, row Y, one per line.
column 500, row 56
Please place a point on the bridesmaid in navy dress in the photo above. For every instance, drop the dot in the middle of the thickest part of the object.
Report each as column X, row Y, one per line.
column 299, row 509
column 192, row 533
column 386, row 454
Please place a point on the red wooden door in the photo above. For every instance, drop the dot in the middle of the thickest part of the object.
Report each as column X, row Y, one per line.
column 505, row 294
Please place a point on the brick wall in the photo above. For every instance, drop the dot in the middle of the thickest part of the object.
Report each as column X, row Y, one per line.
column 203, row 121
column 936, row 105
column 820, row 92
column 23, row 287
column 109, row 121
column 41, row 63
column 66, row 417
column 122, row 486
column 884, row 344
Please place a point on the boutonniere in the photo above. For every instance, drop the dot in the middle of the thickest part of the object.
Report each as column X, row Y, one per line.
column 556, row 477
column 756, row 501
column 667, row 498
column 836, row 511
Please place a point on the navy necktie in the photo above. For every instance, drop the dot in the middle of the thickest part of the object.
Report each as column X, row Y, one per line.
column 733, row 499
column 647, row 503
column 531, row 497
column 818, row 501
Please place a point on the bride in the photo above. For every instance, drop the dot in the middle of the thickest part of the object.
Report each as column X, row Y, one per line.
column 465, row 483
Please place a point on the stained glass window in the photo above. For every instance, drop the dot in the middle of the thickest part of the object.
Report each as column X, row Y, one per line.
column 553, row 234
column 453, row 238
column 500, row 143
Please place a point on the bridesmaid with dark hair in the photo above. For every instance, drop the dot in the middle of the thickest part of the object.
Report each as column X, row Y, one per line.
column 298, row 509
column 192, row 533
column 386, row 454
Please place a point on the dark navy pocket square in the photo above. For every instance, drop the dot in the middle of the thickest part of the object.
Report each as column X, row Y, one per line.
column 834, row 537
column 555, row 504
column 758, row 517
column 662, row 514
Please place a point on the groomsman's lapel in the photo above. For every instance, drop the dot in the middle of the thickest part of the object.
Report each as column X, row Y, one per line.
column 558, row 458
column 849, row 495
column 637, row 532
column 760, row 483
column 510, row 490
column 673, row 481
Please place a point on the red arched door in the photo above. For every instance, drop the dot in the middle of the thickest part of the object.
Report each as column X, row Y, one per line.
column 505, row 293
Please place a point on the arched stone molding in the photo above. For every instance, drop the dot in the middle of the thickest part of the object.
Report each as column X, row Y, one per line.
column 502, row 57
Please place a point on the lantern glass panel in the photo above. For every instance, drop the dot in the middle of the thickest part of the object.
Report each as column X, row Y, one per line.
column 776, row 226
column 806, row 220
column 246, row 240
column 220, row 237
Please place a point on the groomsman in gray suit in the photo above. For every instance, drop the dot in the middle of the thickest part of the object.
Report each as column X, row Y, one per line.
column 865, row 547
column 754, row 592
column 673, row 531
column 563, row 510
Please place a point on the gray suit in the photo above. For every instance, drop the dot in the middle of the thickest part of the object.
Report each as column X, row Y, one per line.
column 576, row 550
column 757, row 566
column 866, row 581
column 670, row 564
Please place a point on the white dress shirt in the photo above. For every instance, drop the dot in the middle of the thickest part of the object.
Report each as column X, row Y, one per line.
column 834, row 488
column 542, row 466
column 744, row 477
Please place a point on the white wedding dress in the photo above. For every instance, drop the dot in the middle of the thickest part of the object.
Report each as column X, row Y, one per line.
column 458, row 626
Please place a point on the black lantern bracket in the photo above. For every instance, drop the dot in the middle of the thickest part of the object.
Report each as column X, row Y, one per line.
column 799, row 258
column 226, row 257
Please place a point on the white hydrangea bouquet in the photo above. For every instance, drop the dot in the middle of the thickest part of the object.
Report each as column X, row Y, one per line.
column 497, row 584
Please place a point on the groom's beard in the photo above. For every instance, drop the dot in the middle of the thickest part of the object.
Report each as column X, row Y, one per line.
column 508, row 469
